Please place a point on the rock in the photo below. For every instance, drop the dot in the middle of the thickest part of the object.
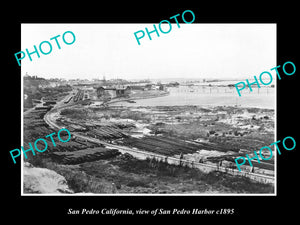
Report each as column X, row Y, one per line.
column 43, row 181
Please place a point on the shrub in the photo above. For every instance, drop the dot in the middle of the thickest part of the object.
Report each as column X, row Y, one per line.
column 137, row 183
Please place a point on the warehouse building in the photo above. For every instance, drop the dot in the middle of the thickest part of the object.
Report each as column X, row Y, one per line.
column 106, row 93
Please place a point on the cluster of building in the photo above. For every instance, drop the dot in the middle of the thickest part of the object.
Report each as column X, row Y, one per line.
column 108, row 92
column 96, row 89
column 117, row 91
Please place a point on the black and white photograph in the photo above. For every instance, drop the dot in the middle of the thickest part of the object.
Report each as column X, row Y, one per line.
column 146, row 112
column 148, row 117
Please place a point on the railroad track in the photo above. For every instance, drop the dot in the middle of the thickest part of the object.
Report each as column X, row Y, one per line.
column 169, row 159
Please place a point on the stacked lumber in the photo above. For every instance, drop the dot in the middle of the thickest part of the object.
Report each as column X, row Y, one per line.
column 170, row 146
column 107, row 132
column 86, row 155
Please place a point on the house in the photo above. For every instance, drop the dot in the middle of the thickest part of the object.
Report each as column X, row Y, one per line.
column 106, row 93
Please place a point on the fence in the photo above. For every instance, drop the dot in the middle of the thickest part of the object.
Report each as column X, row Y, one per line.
column 201, row 166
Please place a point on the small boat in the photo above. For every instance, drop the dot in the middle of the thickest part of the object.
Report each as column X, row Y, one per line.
column 131, row 101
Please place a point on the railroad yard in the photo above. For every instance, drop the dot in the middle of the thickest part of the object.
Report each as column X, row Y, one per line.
column 208, row 135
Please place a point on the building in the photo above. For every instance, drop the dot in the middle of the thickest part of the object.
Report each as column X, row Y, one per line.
column 173, row 84
column 138, row 87
column 160, row 87
column 107, row 93
column 149, row 86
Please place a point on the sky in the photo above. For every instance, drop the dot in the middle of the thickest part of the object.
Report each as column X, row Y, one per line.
column 198, row 51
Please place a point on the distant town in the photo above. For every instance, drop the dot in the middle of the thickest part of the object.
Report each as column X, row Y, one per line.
column 37, row 88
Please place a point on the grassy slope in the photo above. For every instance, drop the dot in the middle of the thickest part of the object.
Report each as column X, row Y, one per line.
column 125, row 174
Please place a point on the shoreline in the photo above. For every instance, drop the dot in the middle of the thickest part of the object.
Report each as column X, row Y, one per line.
column 138, row 98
